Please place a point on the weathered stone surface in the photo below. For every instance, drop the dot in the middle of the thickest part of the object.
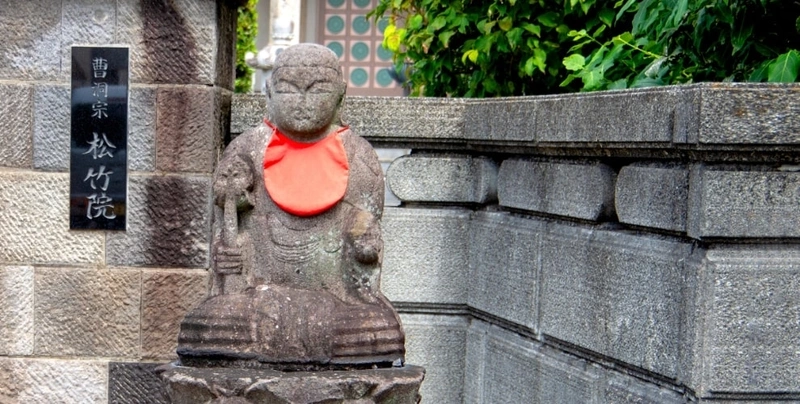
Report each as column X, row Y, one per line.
column 750, row 314
column 225, row 52
column 15, row 126
column 736, row 203
column 16, row 310
column 52, row 381
column 749, row 113
column 85, row 22
column 171, row 42
column 166, row 298
column 199, row 385
column 584, row 191
column 616, row 294
column 425, row 255
column 415, row 118
column 186, row 129
column 135, row 383
column 34, row 223
column 247, row 111
column 87, row 312
column 437, row 343
column 621, row 389
column 501, row 119
column 142, row 129
column 31, row 32
column 51, row 131
column 653, row 115
column 504, row 266
column 475, row 361
column 518, row 371
column 654, row 195
column 443, row 179
column 168, row 223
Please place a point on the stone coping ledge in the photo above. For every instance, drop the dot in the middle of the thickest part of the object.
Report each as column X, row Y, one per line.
column 697, row 117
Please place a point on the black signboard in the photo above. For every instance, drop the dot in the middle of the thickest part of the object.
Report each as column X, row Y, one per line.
column 99, row 138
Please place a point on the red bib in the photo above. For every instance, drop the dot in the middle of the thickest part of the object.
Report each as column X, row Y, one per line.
column 305, row 179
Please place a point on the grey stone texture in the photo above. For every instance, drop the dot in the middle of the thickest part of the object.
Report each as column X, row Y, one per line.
column 617, row 294
column 248, row 110
column 580, row 190
column 87, row 312
column 171, row 42
column 16, row 310
column 437, row 343
column 750, row 309
column 424, row 259
column 504, row 267
column 503, row 119
column 53, row 381
column 443, row 179
column 406, row 118
column 142, row 128
column 166, row 297
column 757, row 202
column 51, row 130
column 31, row 32
column 620, row 389
column 186, row 131
column 135, row 383
column 653, row 195
column 86, row 22
column 748, row 113
column 34, row 222
column 16, row 123
column 169, row 223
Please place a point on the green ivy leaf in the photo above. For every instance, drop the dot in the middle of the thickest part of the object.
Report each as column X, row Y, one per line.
column 574, row 62
column 549, row 19
column 533, row 29
column 530, row 66
column 505, row 24
column 445, row 36
column 540, row 59
column 471, row 54
column 438, row 23
column 784, row 68
column 415, row 22
column 606, row 15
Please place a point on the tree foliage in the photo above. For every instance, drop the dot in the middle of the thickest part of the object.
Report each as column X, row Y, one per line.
column 246, row 30
column 477, row 48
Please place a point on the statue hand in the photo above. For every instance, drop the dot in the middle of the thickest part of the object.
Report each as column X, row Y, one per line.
column 365, row 237
column 228, row 260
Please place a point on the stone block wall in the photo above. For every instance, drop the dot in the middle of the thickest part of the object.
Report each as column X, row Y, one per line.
column 618, row 247
column 86, row 315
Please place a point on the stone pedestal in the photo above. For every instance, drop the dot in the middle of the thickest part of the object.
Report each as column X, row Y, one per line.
column 239, row 386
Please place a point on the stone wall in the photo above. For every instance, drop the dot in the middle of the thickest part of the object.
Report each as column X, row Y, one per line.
column 619, row 247
column 86, row 315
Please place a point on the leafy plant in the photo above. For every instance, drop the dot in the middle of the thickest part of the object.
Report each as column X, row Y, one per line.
column 246, row 30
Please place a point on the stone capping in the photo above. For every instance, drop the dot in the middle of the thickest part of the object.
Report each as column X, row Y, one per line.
column 702, row 117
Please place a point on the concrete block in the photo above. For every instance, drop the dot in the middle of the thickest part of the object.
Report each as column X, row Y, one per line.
column 761, row 202
column 87, row 312
column 135, row 383
column 623, row 389
column 142, row 129
column 171, row 42
column 85, row 22
column 166, row 297
column 169, row 222
column 425, row 255
column 34, row 222
column 31, row 32
column 186, row 129
column 580, row 190
column 504, row 266
column 749, row 113
column 247, row 111
column 16, row 310
column 475, row 361
column 384, row 118
column 653, row 196
column 652, row 115
column 51, row 127
column 750, row 318
column 519, row 371
column 501, row 119
column 616, row 294
column 16, row 125
column 53, row 381
column 443, row 179
column 436, row 342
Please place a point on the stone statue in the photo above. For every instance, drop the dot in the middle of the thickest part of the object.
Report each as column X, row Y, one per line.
column 297, row 243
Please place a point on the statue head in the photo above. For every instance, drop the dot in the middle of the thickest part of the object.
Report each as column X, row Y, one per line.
column 305, row 92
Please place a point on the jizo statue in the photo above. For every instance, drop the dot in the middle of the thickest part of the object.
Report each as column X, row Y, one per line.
column 297, row 243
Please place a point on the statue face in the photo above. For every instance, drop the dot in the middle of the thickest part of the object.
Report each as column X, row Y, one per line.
column 305, row 100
